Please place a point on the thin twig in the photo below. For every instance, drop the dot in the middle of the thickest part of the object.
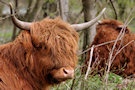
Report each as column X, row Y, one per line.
column 8, row 16
column 123, row 35
column 116, row 17
column 97, row 46
column 122, row 49
column 67, row 86
column 73, row 82
column 90, row 60
column 3, row 2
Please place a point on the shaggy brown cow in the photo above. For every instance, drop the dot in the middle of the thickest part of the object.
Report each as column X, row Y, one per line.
column 124, row 63
column 44, row 54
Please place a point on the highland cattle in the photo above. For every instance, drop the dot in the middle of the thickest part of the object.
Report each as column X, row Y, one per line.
column 124, row 62
column 43, row 54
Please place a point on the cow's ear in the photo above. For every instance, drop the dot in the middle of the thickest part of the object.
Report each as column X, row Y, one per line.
column 120, row 27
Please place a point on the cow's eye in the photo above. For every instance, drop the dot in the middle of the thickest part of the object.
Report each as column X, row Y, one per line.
column 119, row 28
column 45, row 47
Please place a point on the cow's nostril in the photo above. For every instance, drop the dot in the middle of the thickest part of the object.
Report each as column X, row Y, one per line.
column 68, row 72
column 64, row 70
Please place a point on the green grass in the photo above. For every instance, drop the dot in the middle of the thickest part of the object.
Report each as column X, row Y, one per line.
column 115, row 82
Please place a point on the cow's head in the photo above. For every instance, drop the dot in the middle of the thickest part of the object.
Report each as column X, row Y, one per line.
column 111, row 24
column 51, row 50
column 55, row 44
column 51, row 47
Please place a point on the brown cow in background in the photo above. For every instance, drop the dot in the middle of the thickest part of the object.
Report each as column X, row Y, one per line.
column 44, row 54
column 124, row 62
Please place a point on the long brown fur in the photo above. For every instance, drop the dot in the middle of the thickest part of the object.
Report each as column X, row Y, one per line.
column 124, row 63
column 26, row 62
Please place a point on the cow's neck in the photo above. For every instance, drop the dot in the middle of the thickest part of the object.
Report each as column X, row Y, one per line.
column 15, row 54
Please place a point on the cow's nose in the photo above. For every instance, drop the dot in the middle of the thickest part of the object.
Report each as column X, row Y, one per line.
column 68, row 72
column 63, row 73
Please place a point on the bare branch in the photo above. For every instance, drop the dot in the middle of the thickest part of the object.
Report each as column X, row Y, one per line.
column 90, row 60
column 116, row 17
column 122, row 49
column 97, row 46
column 73, row 82
column 3, row 2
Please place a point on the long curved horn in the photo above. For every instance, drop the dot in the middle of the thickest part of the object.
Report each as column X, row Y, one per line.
column 79, row 27
column 20, row 24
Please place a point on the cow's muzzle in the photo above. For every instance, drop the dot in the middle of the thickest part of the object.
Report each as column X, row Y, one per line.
column 63, row 73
